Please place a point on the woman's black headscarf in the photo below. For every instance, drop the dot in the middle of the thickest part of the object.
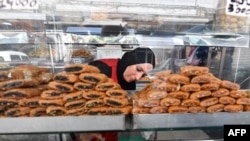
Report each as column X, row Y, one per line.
column 137, row 56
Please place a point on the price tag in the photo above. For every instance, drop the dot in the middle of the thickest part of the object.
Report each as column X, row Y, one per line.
column 19, row 4
column 238, row 7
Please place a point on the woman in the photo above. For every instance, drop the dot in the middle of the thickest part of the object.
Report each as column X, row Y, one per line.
column 131, row 67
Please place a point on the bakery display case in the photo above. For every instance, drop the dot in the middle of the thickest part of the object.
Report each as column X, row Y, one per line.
column 53, row 34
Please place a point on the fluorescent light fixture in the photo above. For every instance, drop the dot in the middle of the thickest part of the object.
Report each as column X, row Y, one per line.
column 28, row 16
column 106, row 22
column 183, row 19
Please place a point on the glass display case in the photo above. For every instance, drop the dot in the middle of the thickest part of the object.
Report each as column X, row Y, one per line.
column 47, row 34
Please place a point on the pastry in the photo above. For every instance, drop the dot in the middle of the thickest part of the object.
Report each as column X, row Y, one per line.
column 55, row 111
column 73, row 96
column 45, row 78
column 243, row 101
column 107, row 85
column 97, row 111
column 64, row 77
column 220, row 92
column 166, row 86
column 17, row 112
column 177, row 110
column 4, row 76
column 193, row 70
column 158, row 110
column 209, row 101
column 50, row 102
column 168, row 101
column 8, row 102
column 17, row 83
column 119, row 111
column 20, row 93
column 201, row 79
column 119, row 93
column 238, row 94
column 196, row 109
column 30, row 102
column 227, row 100
column 215, row 108
column 190, row 88
column 63, row 87
column 93, row 78
column 140, row 110
column 116, row 102
column 190, row 102
column 92, row 94
column 156, row 94
column 233, row 108
column 80, row 68
column 37, row 112
column 83, row 86
column 179, row 95
column 230, row 85
column 147, row 103
column 76, row 111
column 75, row 104
column 94, row 103
column 178, row 79
column 163, row 75
column 52, row 94
column 246, row 107
column 210, row 86
column 200, row 94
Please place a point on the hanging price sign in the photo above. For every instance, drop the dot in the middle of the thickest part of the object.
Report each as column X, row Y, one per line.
column 238, row 7
column 19, row 4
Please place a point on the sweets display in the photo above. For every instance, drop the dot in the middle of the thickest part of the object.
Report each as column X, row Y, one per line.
column 193, row 90
column 79, row 90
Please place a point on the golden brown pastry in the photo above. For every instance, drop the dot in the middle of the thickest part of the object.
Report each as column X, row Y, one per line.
column 190, row 102
column 196, row 109
column 116, row 102
column 193, row 70
column 220, row 92
column 156, row 94
column 45, row 77
column 246, row 107
column 64, row 77
column 243, row 101
column 190, row 88
column 107, row 85
column 227, row 100
column 52, row 94
column 201, row 79
column 20, row 93
column 214, row 80
column 30, row 102
column 8, row 102
column 119, row 93
column 210, row 87
column 73, row 96
column 200, row 94
column 17, row 112
column 76, row 111
column 119, row 111
column 230, row 85
column 140, row 110
column 4, row 76
column 158, row 110
column 215, row 108
column 92, row 94
column 178, row 79
column 17, row 83
column 177, row 110
column 83, row 86
column 80, row 68
column 233, row 108
column 50, row 102
column 147, row 103
column 168, row 101
column 37, row 112
column 238, row 94
column 163, row 75
column 97, row 111
column 209, row 101
column 75, row 104
column 93, row 78
column 55, row 110
column 94, row 103
column 167, row 86
column 63, row 87
column 179, row 95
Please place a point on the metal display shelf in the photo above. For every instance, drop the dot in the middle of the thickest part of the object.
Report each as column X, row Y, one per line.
column 188, row 120
column 20, row 125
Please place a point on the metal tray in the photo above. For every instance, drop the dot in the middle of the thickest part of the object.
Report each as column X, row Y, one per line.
column 61, row 124
column 200, row 120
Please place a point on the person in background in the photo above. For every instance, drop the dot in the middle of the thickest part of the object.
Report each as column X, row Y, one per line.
column 132, row 66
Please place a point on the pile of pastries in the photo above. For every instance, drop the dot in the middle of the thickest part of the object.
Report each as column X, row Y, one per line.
column 78, row 90
column 193, row 90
